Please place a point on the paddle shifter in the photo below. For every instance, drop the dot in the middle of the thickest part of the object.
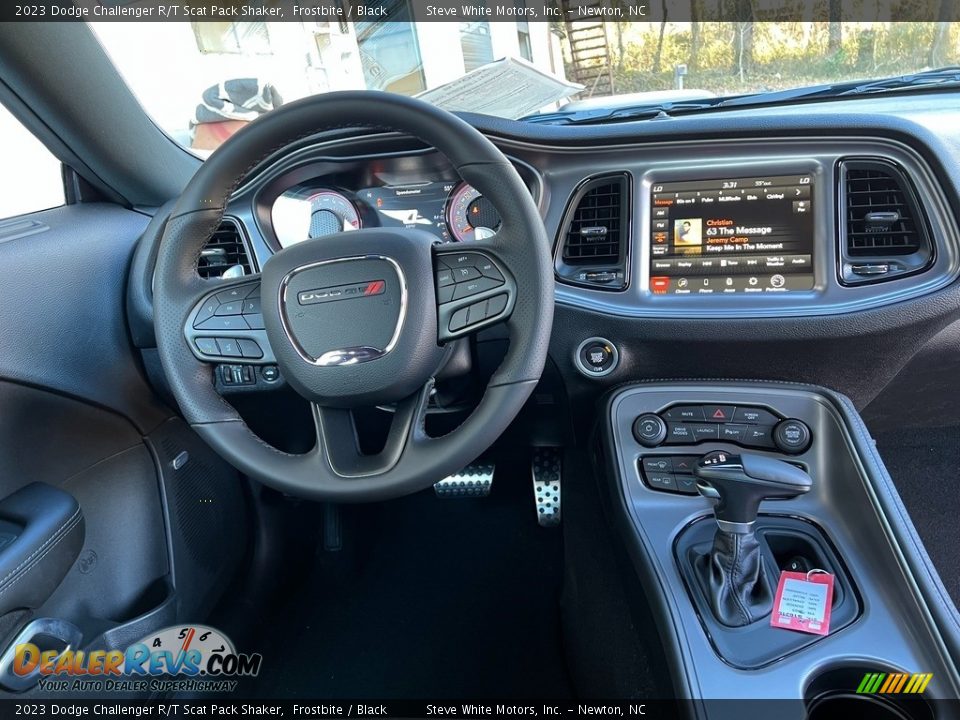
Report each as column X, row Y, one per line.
column 732, row 574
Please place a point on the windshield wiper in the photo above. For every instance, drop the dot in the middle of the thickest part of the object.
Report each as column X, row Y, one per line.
column 925, row 80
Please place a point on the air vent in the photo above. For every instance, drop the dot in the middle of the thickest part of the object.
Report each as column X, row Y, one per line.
column 225, row 254
column 884, row 233
column 596, row 234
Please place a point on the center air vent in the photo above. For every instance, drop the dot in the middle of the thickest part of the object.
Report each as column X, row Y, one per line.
column 884, row 229
column 595, row 234
column 225, row 254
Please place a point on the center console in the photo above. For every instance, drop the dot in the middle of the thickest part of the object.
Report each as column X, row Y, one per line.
column 717, row 488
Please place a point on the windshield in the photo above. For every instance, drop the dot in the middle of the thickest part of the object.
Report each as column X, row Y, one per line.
column 202, row 81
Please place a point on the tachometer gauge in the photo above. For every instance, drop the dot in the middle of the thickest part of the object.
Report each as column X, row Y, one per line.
column 330, row 213
column 301, row 214
column 470, row 215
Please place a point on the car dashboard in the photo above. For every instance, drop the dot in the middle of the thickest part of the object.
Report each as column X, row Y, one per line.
column 823, row 222
column 861, row 273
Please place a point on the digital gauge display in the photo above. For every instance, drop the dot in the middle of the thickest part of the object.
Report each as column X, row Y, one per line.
column 452, row 211
column 416, row 205
column 305, row 215
column 470, row 215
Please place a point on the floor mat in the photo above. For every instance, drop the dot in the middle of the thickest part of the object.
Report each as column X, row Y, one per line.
column 923, row 464
column 430, row 598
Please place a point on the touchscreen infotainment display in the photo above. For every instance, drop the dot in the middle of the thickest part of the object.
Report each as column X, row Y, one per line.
column 732, row 236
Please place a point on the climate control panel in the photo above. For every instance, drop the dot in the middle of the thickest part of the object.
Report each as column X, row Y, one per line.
column 746, row 425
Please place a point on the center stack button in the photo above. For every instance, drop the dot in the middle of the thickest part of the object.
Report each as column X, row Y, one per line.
column 649, row 430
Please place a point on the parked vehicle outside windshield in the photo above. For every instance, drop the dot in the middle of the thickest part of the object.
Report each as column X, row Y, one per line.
column 201, row 81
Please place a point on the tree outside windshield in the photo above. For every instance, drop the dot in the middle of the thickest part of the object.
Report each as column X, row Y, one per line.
column 202, row 81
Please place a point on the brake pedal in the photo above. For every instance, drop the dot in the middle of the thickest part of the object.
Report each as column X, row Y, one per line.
column 545, row 469
column 475, row 480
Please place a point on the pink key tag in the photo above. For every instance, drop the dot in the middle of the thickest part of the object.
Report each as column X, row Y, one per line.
column 803, row 602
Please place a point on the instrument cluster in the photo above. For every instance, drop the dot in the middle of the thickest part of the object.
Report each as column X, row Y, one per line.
column 453, row 211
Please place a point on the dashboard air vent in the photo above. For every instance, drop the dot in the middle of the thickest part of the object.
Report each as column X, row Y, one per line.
column 225, row 254
column 595, row 234
column 884, row 229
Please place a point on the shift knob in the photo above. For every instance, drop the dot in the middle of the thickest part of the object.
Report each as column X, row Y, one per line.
column 740, row 482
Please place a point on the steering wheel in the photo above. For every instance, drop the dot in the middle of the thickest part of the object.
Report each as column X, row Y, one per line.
column 355, row 319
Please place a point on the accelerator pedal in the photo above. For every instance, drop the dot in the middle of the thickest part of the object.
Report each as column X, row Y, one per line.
column 474, row 481
column 545, row 469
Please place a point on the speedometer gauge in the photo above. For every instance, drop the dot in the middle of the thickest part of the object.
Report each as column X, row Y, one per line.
column 470, row 216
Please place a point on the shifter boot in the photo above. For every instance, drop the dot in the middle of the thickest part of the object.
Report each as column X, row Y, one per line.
column 733, row 578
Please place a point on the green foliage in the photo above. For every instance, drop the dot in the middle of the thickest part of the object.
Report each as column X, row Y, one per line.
column 782, row 54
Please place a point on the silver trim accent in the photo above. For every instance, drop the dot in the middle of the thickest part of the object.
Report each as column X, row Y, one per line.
column 708, row 491
column 474, row 481
column 736, row 528
column 63, row 630
column 546, row 471
column 584, row 370
column 350, row 355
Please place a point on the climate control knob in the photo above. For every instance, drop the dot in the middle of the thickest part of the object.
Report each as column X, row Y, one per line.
column 791, row 436
column 650, row 430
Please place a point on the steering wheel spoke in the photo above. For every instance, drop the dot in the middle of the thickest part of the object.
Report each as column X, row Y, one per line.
column 474, row 290
column 338, row 441
column 226, row 325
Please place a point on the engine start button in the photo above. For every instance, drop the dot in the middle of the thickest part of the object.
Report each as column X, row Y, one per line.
column 596, row 357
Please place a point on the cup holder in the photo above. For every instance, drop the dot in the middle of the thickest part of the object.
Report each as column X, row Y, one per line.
column 832, row 695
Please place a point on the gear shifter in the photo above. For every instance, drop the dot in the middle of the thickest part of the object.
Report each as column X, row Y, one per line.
column 732, row 574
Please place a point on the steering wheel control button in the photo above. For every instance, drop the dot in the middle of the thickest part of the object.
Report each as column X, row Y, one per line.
column 444, row 277
column 468, row 273
column 234, row 294
column 596, row 357
column 489, row 270
column 792, row 436
column 445, row 293
column 234, row 307
column 229, row 347
column 251, row 306
column 254, row 322
column 474, row 287
column 649, row 430
column 250, row 349
column 459, row 319
column 208, row 346
column 206, row 311
column 224, row 322
column 460, row 277
column 496, row 305
column 464, row 273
